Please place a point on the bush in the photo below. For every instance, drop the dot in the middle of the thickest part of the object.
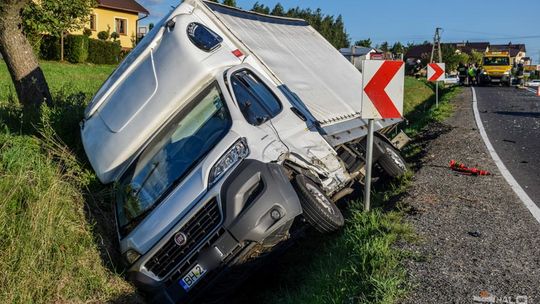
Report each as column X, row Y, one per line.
column 103, row 52
column 87, row 32
column 115, row 36
column 76, row 48
column 103, row 35
column 50, row 48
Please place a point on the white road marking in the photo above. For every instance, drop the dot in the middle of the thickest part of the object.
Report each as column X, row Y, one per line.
column 531, row 90
column 527, row 201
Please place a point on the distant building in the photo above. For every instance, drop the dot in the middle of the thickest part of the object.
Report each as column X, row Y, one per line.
column 469, row 47
column 423, row 51
column 142, row 31
column 356, row 54
column 517, row 51
column 120, row 16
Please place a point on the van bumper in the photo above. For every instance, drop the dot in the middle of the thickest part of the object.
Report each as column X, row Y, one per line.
column 259, row 205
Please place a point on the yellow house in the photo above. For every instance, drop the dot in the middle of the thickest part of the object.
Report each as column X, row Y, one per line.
column 120, row 16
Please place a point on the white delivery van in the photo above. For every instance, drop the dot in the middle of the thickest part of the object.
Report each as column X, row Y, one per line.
column 220, row 130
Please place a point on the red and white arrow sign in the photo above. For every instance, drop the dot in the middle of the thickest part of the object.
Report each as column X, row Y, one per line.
column 435, row 71
column 383, row 83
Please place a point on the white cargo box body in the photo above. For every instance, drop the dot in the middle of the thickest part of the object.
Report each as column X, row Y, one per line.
column 328, row 87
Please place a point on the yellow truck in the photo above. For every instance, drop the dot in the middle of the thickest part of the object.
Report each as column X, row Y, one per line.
column 496, row 68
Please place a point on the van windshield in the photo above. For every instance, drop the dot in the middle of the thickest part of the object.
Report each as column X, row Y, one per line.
column 496, row 61
column 171, row 156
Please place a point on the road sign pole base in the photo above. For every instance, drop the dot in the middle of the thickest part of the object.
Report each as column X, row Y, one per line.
column 369, row 161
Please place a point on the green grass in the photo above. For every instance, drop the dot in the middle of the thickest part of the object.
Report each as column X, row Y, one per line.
column 61, row 77
column 52, row 249
column 49, row 253
column 420, row 104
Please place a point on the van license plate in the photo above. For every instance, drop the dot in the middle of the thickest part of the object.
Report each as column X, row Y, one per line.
column 192, row 277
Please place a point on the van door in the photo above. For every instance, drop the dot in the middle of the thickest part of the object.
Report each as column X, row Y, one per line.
column 258, row 105
column 277, row 117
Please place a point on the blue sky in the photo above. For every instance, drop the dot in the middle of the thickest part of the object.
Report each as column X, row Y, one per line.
column 496, row 21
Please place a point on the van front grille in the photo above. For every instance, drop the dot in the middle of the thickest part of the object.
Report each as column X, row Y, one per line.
column 196, row 231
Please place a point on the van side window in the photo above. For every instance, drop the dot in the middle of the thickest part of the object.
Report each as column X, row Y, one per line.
column 256, row 101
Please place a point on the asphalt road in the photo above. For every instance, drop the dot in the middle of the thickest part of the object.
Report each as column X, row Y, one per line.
column 511, row 118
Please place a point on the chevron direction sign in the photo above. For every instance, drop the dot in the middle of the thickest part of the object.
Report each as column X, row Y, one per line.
column 435, row 71
column 383, row 84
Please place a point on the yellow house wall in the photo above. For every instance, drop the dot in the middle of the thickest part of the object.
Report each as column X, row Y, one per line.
column 105, row 18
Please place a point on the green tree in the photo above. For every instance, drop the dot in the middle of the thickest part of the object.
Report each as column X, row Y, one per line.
column 476, row 57
column 260, row 8
column 278, row 10
column 57, row 17
column 230, row 3
column 331, row 29
column 23, row 66
column 397, row 48
column 341, row 38
column 364, row 43
column 452, row 58
column 384, row 47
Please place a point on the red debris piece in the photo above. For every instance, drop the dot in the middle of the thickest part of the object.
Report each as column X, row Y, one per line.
column 461, row 168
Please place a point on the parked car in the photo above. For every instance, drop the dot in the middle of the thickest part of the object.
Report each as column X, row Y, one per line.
column 451, row 79
column 533, row 83
column 220, row 131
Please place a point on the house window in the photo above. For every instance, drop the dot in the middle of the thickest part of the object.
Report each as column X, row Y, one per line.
column 93, row 23
column 121, row 26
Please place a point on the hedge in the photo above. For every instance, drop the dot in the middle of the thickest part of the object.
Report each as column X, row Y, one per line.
column 50, row 48
column 80, row 49
column 103, row 52
column 76, row 48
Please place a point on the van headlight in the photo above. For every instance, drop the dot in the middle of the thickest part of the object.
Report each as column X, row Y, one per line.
column 507, row 73
column 131, row 256
column 234, row 155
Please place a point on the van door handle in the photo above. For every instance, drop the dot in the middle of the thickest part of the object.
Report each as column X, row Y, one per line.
column 299, row 114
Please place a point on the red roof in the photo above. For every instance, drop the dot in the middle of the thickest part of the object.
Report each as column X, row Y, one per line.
column 124, row 5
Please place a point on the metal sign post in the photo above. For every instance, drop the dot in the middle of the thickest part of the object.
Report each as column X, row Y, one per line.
column 382, row 98
column 435, row 73
column 369, row 161
column 437, row 93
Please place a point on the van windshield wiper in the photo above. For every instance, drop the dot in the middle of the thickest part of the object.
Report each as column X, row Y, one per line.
column 146, row 178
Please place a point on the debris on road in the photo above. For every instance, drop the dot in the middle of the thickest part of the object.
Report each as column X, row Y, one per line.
column 461, row 168
column 475, row 234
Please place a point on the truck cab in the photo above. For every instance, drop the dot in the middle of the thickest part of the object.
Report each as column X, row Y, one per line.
column 496, row 68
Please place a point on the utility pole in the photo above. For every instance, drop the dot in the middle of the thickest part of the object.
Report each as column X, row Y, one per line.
column 436, row 45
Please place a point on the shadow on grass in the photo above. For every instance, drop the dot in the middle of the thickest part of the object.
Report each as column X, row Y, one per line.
column 57, row 127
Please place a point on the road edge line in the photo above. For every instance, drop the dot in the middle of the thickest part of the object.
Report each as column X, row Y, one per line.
column 527, row 201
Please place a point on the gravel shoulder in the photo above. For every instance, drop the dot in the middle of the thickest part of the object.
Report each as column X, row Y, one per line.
column 474, row 234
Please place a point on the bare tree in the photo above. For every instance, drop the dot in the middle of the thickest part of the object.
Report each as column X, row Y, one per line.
column 23, row 66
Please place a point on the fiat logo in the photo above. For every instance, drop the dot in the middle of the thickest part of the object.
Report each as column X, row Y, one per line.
column 180, row 239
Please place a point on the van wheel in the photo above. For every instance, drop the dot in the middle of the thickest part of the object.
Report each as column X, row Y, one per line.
column 318, row 210
column 391, row 160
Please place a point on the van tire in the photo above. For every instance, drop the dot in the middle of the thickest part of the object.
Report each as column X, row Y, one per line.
column 391, row 160
column 318, row 209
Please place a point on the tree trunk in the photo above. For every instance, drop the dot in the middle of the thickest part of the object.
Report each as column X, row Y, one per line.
column 62, row 47
column 23, row 66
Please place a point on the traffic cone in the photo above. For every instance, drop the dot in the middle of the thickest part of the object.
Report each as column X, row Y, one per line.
column 538, row 91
